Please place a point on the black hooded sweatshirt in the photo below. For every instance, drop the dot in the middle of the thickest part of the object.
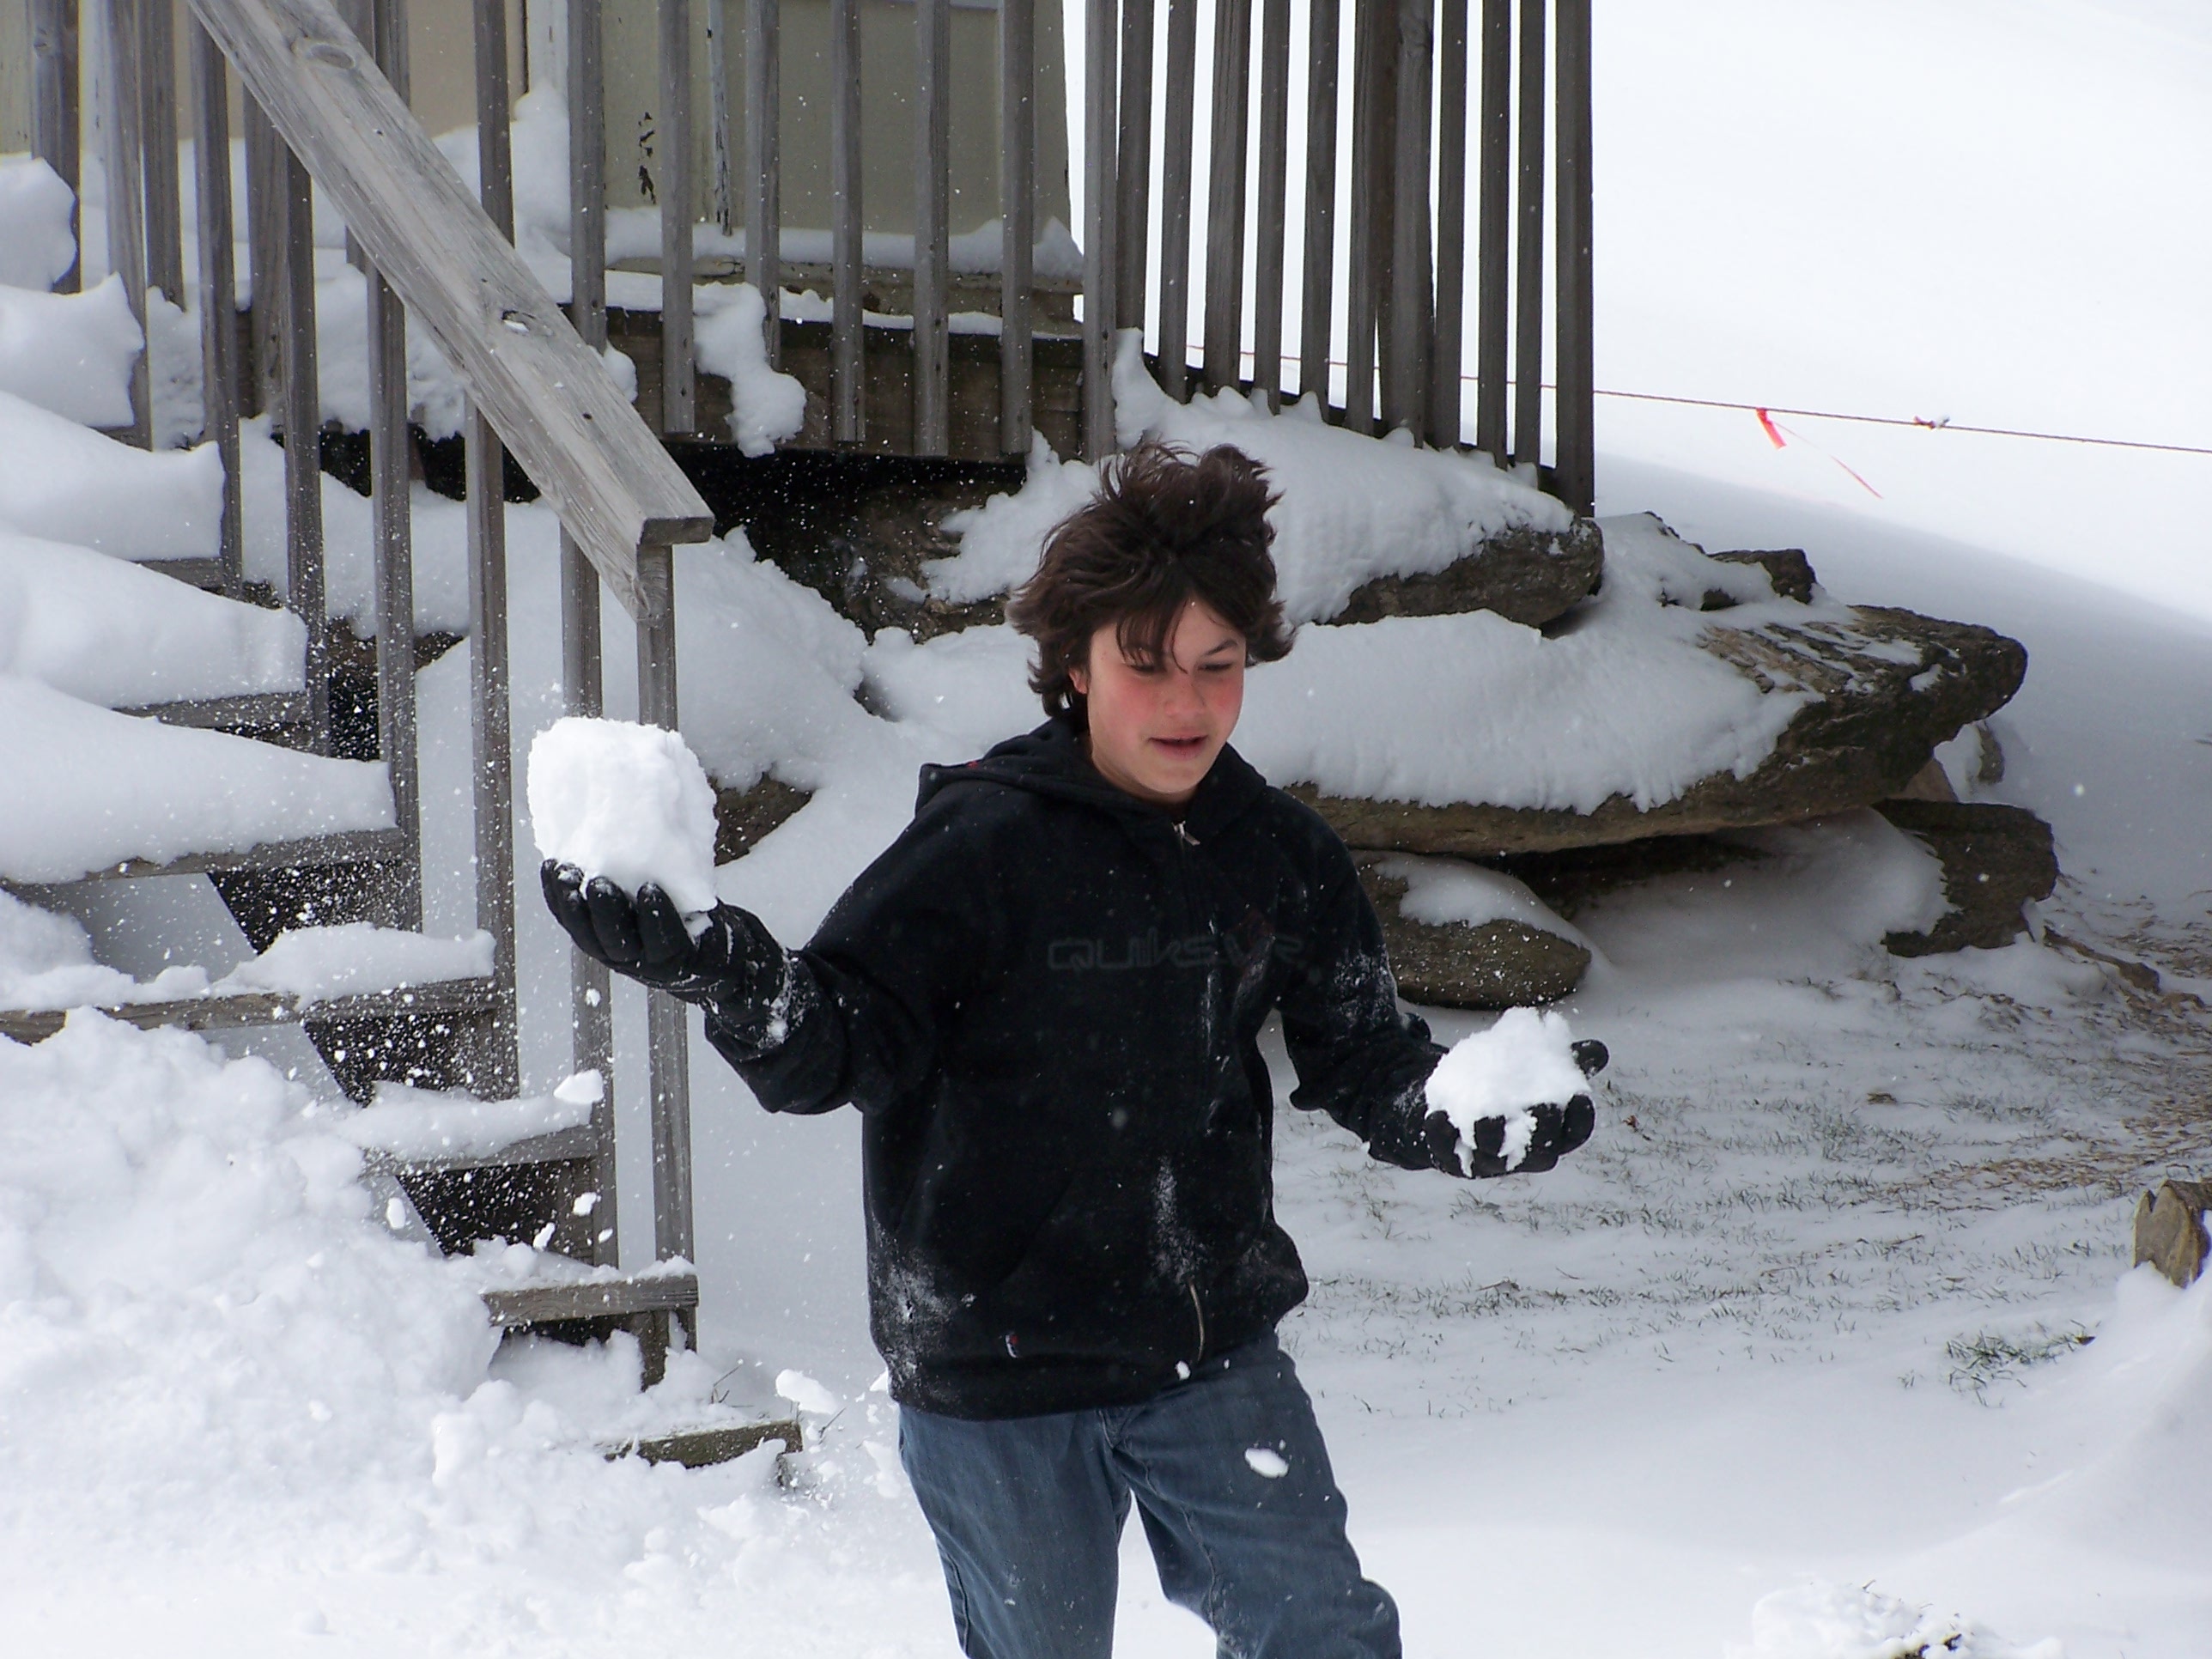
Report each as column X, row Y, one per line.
column 1045, row 998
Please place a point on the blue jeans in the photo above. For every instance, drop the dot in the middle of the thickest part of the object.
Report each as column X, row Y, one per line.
column 1231, row 1477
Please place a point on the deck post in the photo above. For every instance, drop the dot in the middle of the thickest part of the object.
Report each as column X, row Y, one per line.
column 1017, row 218
column 54, row 116
column 1175, row 198
column 491, row 742
column 300, row 416
column 1274, row 189
column 591, row 992
column 1493, row 235
column 1318, row 289
column 932, row 21
column 1529, row 246
column 218, row 286
column 126, row 202
column 1406, row 334
column 391, row 448
column 1101, row 212
column 1574, row 449
column 678, row 406
column 765, row 170
column 1133, row 164
column 1224, row 205
column 1446, row 338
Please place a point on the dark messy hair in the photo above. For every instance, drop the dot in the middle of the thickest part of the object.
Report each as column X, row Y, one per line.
column 1163, row 530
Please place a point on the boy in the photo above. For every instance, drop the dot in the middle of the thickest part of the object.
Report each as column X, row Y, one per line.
column 1045, row 998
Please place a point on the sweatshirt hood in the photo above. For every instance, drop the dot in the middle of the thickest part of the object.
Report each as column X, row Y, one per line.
column 1051, row 761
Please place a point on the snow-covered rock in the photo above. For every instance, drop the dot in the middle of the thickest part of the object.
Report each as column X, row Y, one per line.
column 1461, row 936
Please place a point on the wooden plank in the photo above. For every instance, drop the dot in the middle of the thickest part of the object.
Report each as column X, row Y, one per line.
column 54, row 124
column 587, row 189
column 1494, row 229
column 262, row 391
column 847, row 370
column 218, row 289
column 1405, row 375
column 1529, row 246
column 259, row 712
column 1274, row 184
column 553, row 402
column 764, row 181
column 1575, row 456
column 343, row 846
column 667, row 1028
column 126, row 203
column 1318, row 289
column 157, row 91
column 1132, row 165
column 1101, row 212
column 699, row 1449
column 252, row 1010
column 722, row 194
column 932, row 416
column 672, row 190
column 1224, row 202
column 593, row 1299
column 1177, row 135
column 1362, row 305
column 559, row 1146
column 1017, row 219
column 300, row 413
column 491, row 731
column 1447, row 332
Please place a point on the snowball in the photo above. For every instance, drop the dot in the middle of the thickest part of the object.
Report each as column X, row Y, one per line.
column 1264, row 1462
column 1525, row 1060
column 628, row 802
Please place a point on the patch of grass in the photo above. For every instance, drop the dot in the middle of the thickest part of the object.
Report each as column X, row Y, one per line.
column 1977, row 1362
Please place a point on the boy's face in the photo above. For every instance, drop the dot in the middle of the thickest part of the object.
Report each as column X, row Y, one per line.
column 1155, row 726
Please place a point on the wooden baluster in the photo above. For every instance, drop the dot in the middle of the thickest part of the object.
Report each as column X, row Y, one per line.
column 932, row 431
column 764, row 187
column 1101, row 212
column 1175, row 198
column 1224, row 205
column 724, row 192
column 1132, row 165
column 55, row 126
column 1575, row 452
column 263, row 389
column 290, row 294
column 1447, row 332
column 678, row 406
column 1406, row 333
column 848, row 334
column 1017, row 218
column 1528, row 247
column 1274, row 184
column 1318, row 290
column 1493, row 285
column 218, row 288
column 126, row 202
column 157, row 91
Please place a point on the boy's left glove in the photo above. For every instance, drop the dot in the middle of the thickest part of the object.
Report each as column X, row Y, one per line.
column 734, row 966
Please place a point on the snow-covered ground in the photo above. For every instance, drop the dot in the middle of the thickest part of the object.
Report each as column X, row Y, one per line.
column 1790, row 1361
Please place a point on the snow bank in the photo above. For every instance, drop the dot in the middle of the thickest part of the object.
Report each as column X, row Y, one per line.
column 71, row 353
column 313, row 964
column 766, row 406
column 971, row 686
column 88, row 789
column 62, row 481
column 1525, row 1060
column 1440, row 892
column 1846, row 1622
column 46, row 962
column 36, row 248
column 417, row 1125
column 628, row 802
column 1472, row 707
column 1351, row 510
column 112, row 634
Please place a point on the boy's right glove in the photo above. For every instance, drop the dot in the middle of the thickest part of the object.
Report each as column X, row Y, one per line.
column 1559, row 1130
column 734, row 966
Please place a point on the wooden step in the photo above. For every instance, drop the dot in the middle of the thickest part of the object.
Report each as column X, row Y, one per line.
column 258, row 1008
column 193, row 572
column 592, row 1309
column 347, row 847
column 696, row 1448
column 255, row 715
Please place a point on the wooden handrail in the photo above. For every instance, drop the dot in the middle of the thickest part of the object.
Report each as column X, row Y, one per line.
column 549, row 397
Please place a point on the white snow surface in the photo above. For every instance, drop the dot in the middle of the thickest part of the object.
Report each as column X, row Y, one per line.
column 1525, row 1060
column 69, row 484
column 1843, row 1621
column 766, row 405
column 315, row 964
column 111, row 633
column 88, row 788
column 410, row 1123
column 71, row 353
column 628, row 802
column 36, row 248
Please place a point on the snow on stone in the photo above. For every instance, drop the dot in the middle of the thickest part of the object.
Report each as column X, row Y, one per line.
column 315, row 964
column 628, row 802
column 67, row 482
column 111, row 633
column 418, row 1125
column 766, row 405
column 1525, row 1060
column 1620, row 700
column 1440, row 892
column 46, row 962
column 1351, row 510
column 88, row 789
column 71, row 353
column 36, row 248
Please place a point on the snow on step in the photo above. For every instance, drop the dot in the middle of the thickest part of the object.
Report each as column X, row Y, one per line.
column 422, row 1125
column 36, row 247
column 115, row 634
column 88, row 789
column 46, row 963
column 66, row 482
column 71, row 353
column 316, row 963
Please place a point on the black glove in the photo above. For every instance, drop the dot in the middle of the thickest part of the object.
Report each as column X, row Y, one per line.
column 1559, row 1130
column 735, row 967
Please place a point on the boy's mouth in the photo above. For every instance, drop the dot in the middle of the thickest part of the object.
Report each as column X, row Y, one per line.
column 1181, row 746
